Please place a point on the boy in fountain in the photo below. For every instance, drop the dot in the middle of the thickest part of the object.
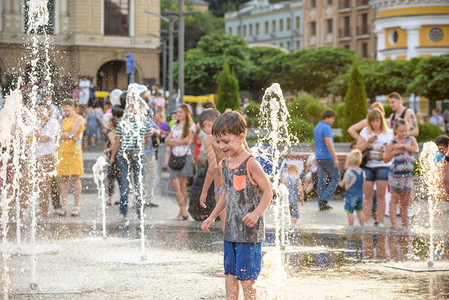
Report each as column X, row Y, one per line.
column 353, row 179
column 214, row 156
column 247, row 194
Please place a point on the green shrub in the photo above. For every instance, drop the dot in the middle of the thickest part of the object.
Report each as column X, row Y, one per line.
column 301, row 129
column 355, row 100
column 228, row 90
column 297, row 108
column 314, row 111
column 252, row 110
column 388, row 110
column 252, row 122
column 428, row 132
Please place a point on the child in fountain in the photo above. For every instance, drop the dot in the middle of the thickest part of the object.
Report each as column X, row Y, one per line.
column 247, row 194
column 353, row 179
column 400, row 177
column 294, row 185
column 214, row 156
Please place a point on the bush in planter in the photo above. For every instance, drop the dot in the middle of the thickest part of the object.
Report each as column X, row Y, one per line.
column 428, row 132
column 252, row 114
column 297, row 108
column 301, row 129
column 314, row 111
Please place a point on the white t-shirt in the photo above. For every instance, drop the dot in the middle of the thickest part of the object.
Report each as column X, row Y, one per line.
column 51, row 129
column 310, row 162
column 377, row 148
column 84, row 91
column 177, row 134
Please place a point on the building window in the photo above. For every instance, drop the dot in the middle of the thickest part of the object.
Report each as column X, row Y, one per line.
column 297, row 22
column 116, row 17
column 266, row 27
column 257, row 28
column 230, row 30
column 313, row 3
column 330, row 28
column 436, row 34
column 329, row 2
column 273, row 26
column 50, row 27
column 364, row 49
column 239, row 30
column 281, row 24
column 313, row 28
column 347, row 46
column 289, row 46
column 364, row 23
column 298, row 45
column 288, row 24
column 251, row 29
column 281, row 45
column 393, row 36
column 244, row 30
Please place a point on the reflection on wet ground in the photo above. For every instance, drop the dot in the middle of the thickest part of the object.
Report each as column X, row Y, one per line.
column 320, row 265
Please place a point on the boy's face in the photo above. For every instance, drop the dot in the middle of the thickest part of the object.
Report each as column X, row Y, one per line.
column 330, row 120
column 230, row 144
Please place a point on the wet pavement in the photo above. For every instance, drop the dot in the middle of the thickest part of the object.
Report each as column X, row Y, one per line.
column 324, row 257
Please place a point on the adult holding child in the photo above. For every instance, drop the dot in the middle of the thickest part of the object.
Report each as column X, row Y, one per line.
column 374, row 138
column 70, row 155
column 181, row 159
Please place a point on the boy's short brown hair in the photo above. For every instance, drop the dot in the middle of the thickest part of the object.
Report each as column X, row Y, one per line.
column 209, row 104
column 293, row 167
column 210, row 115
column 229, row 123
column 328, row 113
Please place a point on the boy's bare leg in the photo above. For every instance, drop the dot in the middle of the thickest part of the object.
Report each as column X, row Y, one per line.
column 350, row 219
column 361, row 218
column 249, row 292
column 232, row 287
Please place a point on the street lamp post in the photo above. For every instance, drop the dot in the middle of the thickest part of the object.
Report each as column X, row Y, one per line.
column 181, row 50
column 170, row 55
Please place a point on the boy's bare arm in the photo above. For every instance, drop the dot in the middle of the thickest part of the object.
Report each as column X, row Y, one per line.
column 301, row 192
column 212, row 170
column 259, row 177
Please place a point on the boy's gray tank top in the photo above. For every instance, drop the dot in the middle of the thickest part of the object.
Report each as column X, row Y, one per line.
column 242, row 197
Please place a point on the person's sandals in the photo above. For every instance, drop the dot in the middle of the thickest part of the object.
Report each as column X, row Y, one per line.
column 181, row 218
column 75, row 211
column 61, row 212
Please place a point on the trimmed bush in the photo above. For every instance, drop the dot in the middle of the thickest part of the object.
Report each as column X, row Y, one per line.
column 301, row 129
column 228, row 90
column 355, row 101
column 428, row 132
column 314, row 111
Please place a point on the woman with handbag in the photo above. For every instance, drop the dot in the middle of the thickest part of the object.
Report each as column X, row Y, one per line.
column 181, row 160
column 374, row 138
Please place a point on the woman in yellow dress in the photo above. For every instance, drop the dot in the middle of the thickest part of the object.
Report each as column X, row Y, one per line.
column 70, row 156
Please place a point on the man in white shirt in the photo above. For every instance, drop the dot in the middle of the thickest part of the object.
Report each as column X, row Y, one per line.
column 42, row 152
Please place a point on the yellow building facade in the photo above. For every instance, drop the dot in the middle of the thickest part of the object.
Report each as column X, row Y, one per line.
column 87, row 37
column 407, row 29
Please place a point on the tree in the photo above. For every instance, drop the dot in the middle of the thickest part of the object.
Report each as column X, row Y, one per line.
column 314, row 69
column 355, row 101
column 431, row 78
column 203, row 63
column 228, row 90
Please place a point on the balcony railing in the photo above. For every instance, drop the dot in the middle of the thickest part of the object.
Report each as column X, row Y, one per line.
column 344, row 4
column 362, row 2
column 344, row 32
column 362, row 30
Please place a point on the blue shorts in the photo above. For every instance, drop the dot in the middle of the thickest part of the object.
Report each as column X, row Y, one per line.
column 294, row 209
column 353, row 203
column 379, row 173
column 243, row 260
